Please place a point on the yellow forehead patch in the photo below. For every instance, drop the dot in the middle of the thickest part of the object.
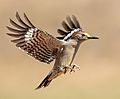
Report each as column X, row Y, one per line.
column 87, row 34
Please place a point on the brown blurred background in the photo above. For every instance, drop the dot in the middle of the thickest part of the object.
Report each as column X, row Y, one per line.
column 99, row 77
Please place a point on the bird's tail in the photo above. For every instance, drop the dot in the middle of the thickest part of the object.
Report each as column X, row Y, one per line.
column 46, row 81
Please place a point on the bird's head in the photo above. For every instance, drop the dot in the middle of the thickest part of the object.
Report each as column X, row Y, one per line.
column 82, row 36
column 79, row 35
column 73, row 31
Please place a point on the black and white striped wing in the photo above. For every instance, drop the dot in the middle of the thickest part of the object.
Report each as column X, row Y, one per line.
column 38, row 44
column 72, row 25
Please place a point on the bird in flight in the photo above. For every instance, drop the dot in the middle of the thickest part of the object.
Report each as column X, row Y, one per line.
column 46, row 48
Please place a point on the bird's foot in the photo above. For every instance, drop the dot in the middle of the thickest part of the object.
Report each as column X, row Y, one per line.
column 73, row 67
column 67, row 68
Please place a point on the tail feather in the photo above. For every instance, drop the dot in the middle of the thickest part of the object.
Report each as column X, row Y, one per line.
column 46, row 81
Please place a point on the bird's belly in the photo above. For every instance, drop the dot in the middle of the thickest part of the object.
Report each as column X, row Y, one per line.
column 67, row 56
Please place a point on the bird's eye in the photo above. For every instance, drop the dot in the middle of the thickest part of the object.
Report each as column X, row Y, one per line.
column 83, row 34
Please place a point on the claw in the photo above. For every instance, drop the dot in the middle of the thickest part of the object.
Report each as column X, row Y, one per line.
column 67, row 68
column 71, row 68
column 74, row 67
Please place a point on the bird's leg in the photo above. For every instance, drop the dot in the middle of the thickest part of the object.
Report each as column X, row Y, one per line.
column 74, row 66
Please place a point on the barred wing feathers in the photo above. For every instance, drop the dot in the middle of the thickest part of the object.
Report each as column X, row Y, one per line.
column 71, row 25
column 37, row 43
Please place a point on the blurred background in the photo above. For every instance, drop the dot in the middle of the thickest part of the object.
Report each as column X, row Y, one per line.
column 99, row 60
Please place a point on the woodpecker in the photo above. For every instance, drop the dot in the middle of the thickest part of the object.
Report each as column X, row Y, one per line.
column 46, row 48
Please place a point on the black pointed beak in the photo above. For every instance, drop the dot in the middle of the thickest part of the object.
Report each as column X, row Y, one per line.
column 93, row 37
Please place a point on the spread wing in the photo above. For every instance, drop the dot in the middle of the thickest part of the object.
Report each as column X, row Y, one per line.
column 72, row 25
column 35, row 42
